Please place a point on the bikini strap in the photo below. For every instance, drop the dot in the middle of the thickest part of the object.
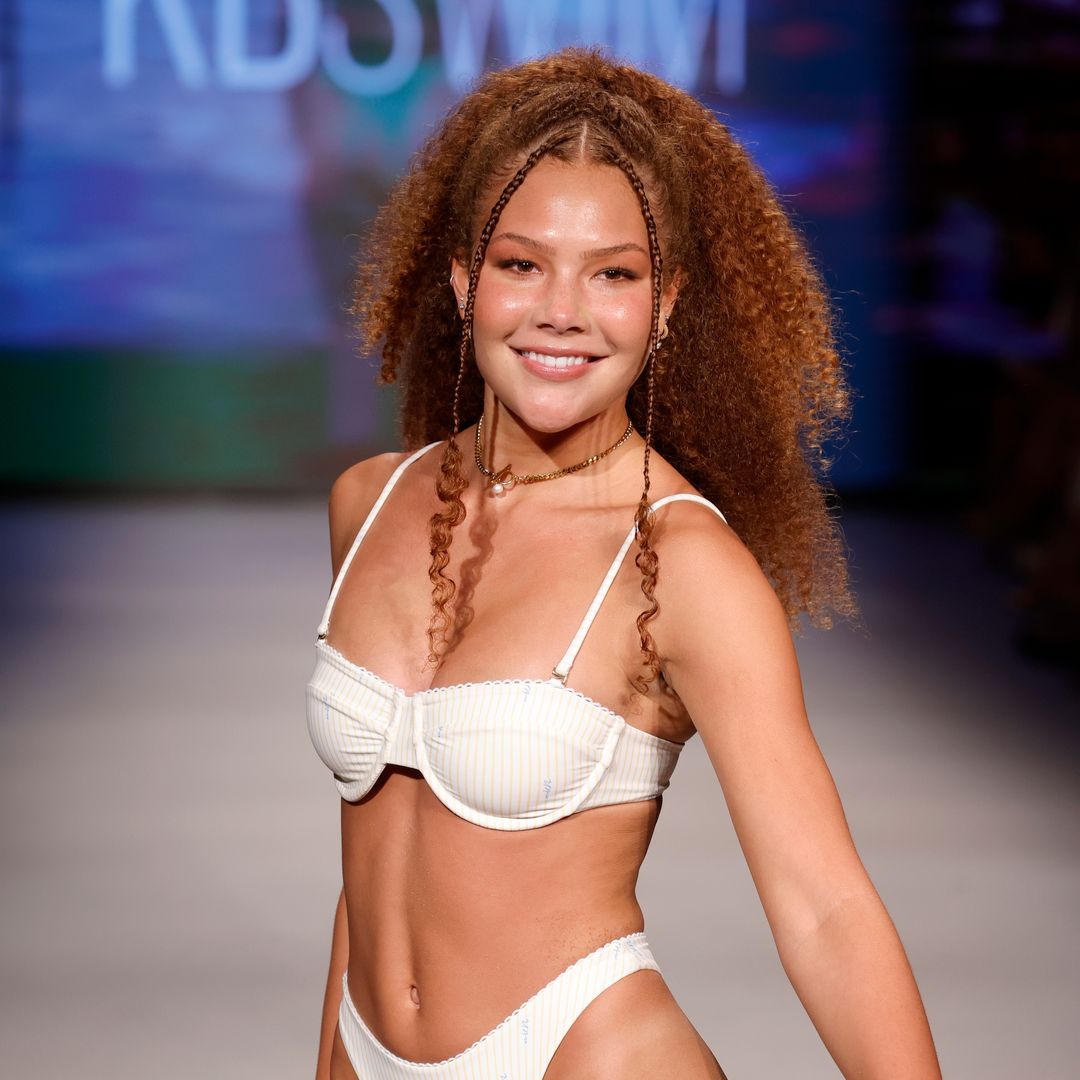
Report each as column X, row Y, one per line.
column 562, row 668
column 324, row 626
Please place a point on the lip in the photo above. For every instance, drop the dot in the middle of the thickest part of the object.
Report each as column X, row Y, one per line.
column 548, row 350
column 565, row 374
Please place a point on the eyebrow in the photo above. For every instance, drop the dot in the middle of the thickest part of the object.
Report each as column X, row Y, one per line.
column 545, row 249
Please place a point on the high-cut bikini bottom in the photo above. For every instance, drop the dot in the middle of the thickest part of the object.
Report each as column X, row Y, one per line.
column 519, row 1047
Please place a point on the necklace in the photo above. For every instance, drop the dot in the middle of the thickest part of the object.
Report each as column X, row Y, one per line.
column 504, row 479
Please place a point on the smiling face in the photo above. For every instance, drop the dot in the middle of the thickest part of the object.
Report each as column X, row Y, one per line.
column 563, row 305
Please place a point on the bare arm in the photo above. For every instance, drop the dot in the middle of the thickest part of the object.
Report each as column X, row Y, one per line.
column 339, row 959
column 729, row 656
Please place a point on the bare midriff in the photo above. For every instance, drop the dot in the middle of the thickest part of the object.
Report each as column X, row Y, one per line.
column 452, row 926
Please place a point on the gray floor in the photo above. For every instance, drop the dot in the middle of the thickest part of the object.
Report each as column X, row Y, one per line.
column 170, row 841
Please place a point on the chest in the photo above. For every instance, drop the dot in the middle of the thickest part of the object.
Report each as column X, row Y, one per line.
column 520, row 590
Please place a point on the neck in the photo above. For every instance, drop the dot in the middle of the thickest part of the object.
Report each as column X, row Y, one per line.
column 507, row 440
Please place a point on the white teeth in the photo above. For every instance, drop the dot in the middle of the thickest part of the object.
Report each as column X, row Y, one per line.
column 555, row 361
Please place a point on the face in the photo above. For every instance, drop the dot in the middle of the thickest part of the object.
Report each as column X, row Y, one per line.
column 563, row 303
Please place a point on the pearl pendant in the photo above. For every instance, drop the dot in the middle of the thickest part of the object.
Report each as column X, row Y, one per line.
column 501, row 482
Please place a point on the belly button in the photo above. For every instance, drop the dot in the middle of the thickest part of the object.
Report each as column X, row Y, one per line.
column 414, row 993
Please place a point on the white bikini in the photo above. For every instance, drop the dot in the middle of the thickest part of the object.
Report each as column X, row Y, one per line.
column 506, row 754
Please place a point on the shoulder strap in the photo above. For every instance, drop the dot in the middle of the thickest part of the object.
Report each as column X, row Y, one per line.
column 324, row 626
column 562, row 668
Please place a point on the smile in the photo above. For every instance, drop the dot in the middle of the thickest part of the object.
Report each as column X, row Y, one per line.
column 550, row 361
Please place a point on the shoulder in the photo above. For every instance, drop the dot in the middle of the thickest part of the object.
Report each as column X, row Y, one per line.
column 693, row 540
column 727, row 650
column 361, row 483
column 352, row 495
column 688, row 528
column 715, row 599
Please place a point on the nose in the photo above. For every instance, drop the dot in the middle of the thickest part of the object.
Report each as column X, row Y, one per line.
column 562, row 308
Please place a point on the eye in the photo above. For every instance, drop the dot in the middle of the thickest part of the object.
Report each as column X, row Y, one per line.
column 521, row 266
column 618, row 273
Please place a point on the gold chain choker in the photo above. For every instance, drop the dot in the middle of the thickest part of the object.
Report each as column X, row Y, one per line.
column 500, row 482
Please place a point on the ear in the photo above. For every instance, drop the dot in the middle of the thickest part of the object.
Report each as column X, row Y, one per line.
column 459, row 280
column 670, row 295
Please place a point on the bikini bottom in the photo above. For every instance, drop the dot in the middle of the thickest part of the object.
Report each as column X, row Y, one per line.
column 519, row 1047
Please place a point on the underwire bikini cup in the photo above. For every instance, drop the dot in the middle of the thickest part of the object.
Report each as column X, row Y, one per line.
column 505, row 753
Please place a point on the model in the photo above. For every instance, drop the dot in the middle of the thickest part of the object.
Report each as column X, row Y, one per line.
column 609, row 336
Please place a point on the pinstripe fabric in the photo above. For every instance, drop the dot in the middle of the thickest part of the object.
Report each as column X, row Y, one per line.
column 505, row 754
column 519, row 1047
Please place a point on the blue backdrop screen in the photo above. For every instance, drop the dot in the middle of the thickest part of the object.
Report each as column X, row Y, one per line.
column 184, row 182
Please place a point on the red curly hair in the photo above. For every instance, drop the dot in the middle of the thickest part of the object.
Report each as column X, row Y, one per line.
column 749, row 384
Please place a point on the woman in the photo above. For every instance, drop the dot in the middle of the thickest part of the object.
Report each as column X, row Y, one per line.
column 583, row 269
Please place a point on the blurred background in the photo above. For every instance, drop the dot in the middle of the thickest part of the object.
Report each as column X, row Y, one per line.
column 183, row 188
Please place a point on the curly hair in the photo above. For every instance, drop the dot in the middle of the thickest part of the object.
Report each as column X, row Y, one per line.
column 749, row 386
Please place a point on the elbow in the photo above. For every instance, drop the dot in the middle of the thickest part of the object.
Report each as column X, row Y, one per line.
column 808, row 920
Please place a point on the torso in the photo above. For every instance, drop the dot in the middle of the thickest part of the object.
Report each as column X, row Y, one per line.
column 474, row 920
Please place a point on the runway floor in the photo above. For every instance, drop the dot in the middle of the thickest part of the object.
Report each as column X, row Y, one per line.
column 170, row 845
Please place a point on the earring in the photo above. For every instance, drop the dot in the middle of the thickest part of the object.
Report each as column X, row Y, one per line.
column 450, row 282
column 663, row 335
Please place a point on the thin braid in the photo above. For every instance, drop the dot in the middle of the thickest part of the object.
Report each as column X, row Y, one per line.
column 646, row 560
column 485, row 238
column 451, row 481
column 658, row 294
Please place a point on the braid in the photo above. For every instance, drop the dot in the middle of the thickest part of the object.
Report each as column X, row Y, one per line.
column 646, row 560
column 451, row 481
column 481, row 253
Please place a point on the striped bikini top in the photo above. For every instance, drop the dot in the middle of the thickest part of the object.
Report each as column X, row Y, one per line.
column 505, row 753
